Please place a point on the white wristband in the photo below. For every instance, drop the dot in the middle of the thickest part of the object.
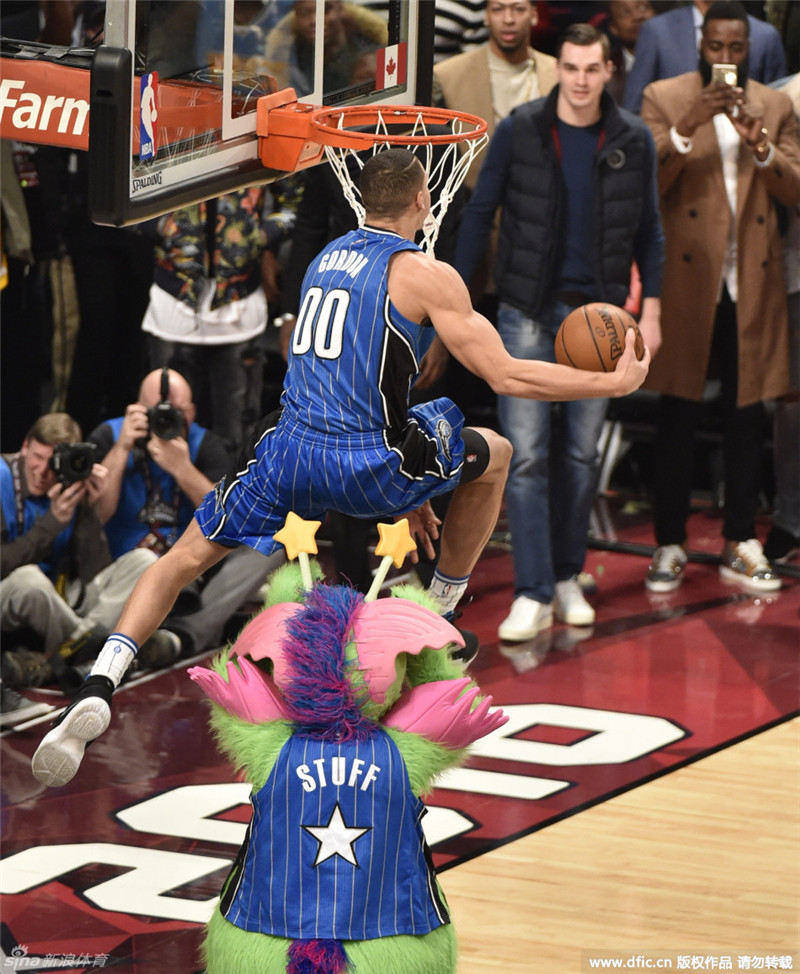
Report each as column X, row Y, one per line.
column 115, row 657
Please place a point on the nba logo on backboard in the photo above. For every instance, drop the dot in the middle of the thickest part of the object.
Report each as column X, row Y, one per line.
column 148, row 115
column 391, row 70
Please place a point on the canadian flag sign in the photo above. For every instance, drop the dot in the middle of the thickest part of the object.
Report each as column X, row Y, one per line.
column 391, row 69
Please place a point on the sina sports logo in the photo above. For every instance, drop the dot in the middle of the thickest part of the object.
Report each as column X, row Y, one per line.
column 444, row 432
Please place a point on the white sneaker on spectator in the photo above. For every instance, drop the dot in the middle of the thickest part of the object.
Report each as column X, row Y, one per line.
column 527, row 617
column 744, row 563
column 569, row 604
column 665, row 573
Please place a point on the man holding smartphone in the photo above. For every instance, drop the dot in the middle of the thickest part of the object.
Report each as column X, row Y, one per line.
column 728, row 155
column 667, row 46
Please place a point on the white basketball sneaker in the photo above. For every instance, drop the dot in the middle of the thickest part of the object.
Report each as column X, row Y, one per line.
column 59, row 756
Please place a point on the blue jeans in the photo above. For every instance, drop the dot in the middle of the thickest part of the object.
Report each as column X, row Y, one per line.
column 553, row 475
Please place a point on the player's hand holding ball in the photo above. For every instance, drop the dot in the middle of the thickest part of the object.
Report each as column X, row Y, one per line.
column 595, row 337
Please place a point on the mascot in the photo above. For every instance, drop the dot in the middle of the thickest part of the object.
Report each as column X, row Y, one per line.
column 341, row 710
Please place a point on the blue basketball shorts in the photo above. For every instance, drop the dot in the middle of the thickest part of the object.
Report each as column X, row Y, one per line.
column 367, row 475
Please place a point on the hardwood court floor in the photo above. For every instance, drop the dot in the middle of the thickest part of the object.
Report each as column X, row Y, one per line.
column 705, row 859
column 643, row 796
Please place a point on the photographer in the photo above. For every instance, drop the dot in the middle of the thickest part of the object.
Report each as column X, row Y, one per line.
column 156, row 481
column 59, row 584
column 161, row 463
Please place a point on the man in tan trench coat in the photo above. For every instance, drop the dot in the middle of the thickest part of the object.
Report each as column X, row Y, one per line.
column 728, row 155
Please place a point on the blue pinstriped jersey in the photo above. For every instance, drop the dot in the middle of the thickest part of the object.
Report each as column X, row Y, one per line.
column 353, row 356
column 335, row 848
column 346, row 439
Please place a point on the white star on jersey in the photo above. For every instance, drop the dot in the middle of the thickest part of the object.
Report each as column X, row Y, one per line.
column 335, row 838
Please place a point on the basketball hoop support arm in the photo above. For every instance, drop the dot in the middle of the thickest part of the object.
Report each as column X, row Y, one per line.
column 283, row 127
column 287, row 138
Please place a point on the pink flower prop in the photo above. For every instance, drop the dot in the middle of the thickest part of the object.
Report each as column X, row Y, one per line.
column 249, row 693
column 441, row 712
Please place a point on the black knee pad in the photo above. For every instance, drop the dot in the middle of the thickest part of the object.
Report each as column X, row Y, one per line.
column 476, row 455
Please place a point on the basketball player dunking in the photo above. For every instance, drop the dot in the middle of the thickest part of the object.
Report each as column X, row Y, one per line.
column 345, row 438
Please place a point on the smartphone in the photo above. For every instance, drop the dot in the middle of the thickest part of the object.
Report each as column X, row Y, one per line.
column 725, row 74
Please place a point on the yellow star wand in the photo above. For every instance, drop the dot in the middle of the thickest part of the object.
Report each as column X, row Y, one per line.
column 395, row 543
column 297, row 537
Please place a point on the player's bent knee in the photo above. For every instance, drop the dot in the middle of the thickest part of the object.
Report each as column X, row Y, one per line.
column 500, row 451
column 477, row 455
column 486, row 454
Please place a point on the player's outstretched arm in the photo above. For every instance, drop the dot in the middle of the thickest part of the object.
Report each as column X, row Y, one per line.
column 420, row 286
column 58, row 757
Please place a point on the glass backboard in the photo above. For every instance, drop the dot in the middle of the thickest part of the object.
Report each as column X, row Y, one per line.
column 175, row 85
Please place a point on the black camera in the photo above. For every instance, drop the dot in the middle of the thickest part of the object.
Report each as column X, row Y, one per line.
column 72, row 461
column 165, row 420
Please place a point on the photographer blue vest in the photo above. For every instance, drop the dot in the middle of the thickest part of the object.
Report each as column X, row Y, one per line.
column 150, row 501
column 21, row 511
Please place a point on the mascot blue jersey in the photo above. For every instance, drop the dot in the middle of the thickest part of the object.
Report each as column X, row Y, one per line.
column 335, row 848
column 353, row 356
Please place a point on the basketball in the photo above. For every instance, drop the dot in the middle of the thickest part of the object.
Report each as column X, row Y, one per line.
column 592, row 337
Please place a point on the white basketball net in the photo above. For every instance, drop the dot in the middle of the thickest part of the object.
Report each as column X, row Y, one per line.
column 445, row 161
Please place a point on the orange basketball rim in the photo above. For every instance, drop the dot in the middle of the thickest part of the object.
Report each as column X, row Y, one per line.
column 293, row 135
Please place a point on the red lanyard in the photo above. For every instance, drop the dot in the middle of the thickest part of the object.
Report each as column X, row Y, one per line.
column 557, row 142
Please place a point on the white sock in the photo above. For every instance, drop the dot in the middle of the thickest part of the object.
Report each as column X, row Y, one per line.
column 447, row 591
column 117, row 654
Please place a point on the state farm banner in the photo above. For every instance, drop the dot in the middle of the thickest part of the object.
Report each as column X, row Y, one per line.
column 43, row 102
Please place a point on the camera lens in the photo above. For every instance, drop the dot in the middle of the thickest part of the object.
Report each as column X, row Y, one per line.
column 73, row 461
column 81, row 465
column 165, row 421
